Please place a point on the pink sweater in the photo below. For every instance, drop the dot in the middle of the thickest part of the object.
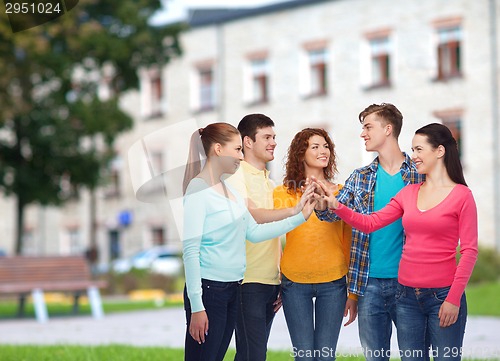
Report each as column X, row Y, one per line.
column 432, row 236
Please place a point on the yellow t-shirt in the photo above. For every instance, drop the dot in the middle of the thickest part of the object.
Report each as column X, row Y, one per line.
column 316, row 251
column 262, row 258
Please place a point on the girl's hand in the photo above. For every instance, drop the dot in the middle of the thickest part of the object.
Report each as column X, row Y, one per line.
column 198, row 327
column 448, row 314
column 309, row 208
column 305, row 200
column 325, row 193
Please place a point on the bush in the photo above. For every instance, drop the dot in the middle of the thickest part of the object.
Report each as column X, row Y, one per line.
column 487, row 267
column 138, row 279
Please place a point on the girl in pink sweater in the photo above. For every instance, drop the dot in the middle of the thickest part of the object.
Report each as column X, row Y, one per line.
column 438, row 215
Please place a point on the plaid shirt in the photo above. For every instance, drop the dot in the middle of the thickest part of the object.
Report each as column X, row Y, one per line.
column 358, row 194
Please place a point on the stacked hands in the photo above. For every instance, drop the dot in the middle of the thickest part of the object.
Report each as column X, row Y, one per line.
column 317, row 195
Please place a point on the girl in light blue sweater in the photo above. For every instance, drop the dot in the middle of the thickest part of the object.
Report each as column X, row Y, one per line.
column 216, row 225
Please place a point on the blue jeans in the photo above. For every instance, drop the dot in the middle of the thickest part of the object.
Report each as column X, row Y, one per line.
column 220, row 301
column 254, row 320
column 314, row 313
column 417, row 310
column 376, row 313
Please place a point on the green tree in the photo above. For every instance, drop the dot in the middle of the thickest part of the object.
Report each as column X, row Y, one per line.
column 51, row 117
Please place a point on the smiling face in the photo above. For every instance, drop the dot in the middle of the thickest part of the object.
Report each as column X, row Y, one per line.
column 424, row 154
column 375, row 132
column 262, row 149
column 317, row 153
column 230, row 154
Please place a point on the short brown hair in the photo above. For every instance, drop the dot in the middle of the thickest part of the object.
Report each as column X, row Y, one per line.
column 251, row 123
column 388, row 112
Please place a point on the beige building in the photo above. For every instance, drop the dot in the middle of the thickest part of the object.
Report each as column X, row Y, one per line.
column 314, row 63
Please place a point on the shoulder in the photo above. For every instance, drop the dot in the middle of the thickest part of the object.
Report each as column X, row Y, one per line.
column 462, row 190
column 333, row 187
column 361, row 177
column 365, row 170
column 280, row 188
column 281, row 191
column 408, row 192
column 197, row 192
column 410, row 188
column 195, row 186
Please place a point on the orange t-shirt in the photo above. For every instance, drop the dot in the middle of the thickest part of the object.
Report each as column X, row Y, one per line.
column 316, row 251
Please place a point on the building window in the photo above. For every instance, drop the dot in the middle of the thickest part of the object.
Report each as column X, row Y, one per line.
column 453, row 120
column 260, row 81
column 74, row 241
column 158, row 236
column 152, row 93
column 448, row 52
column 156, row 86
column 113, row 185
column 206, row 89
column 317, row 71
column 380, row 62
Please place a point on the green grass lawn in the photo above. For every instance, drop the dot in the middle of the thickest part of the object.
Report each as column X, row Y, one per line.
column 483, row 299
column 122, row 353
column 114, row 353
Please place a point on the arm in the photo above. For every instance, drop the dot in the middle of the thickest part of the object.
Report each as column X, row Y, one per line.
column 467, row 223
column 261, row 215
column 369, row 223
column 260, row 232
column 468, row 234
column 364, row 222
column 194, row 219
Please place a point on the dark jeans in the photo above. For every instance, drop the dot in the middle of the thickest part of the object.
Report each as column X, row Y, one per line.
column 376, row 313
column 417, row 310
column 255, row 317
column 220, row 301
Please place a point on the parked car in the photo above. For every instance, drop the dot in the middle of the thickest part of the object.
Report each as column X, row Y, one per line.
column 159, row 259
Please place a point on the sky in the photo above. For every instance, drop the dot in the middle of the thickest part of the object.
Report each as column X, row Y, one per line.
column 177, row 9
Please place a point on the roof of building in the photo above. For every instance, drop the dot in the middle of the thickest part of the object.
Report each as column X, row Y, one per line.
column 212, row 16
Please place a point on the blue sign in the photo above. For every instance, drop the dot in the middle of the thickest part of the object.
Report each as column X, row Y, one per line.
column 125, row 218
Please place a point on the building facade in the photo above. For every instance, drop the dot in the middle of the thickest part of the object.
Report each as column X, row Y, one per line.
column 314, row 63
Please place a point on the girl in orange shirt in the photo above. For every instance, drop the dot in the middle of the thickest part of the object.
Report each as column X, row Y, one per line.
column 316, row 255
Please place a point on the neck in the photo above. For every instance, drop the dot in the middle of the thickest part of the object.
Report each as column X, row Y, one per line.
column 438, row 177
column 315, row 172
column 211, row 173
column 251, row 159
column 391, row 158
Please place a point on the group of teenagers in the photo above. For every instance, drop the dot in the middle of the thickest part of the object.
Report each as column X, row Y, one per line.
column 382, row 247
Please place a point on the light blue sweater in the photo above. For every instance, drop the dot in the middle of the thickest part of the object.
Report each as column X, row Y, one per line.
column 215, row 230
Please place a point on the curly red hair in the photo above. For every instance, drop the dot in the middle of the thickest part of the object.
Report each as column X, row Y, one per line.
column 295, row 170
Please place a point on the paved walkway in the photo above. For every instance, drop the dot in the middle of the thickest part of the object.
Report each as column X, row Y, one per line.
column 165, row 327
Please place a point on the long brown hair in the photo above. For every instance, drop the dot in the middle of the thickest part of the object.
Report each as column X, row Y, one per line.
column 295, row 170
column 201, row 142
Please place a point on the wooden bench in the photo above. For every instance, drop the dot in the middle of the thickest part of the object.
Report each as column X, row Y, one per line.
column 25, row 275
